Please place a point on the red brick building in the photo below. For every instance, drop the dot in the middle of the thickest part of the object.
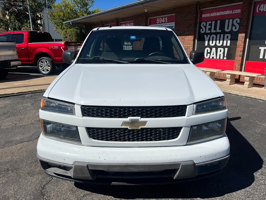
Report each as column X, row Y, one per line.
column 232, row 34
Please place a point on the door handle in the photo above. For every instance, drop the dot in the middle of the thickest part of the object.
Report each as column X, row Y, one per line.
column 22, row 48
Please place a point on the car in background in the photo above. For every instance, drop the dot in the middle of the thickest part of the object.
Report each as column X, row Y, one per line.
column 39, row 49
column 8, row 57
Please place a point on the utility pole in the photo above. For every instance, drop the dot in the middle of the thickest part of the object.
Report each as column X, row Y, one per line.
column 47, row 18
column 28, row 1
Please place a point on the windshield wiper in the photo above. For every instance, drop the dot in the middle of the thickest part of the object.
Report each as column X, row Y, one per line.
column 143, row 60
column 99, row 59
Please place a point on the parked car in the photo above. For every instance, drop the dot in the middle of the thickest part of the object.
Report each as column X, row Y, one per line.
column 132, row 107
column 8, row 57
column 38, row 48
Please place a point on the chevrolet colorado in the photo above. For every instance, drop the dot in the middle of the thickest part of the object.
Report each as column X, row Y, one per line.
column 132, row 107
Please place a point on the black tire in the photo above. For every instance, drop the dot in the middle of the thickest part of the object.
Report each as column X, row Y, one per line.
column 45, row 65
column 3, row 74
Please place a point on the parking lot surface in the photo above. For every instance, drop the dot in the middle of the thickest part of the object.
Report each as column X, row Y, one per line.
column 23, row 178
column 25, row 80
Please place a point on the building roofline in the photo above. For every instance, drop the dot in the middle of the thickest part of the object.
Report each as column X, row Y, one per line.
column 126, row 11
column 111, row 10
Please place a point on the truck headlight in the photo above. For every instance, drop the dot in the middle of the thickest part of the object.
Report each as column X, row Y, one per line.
column 57, row 106
column 60, row 131
column 210, row 106
column 208, row 131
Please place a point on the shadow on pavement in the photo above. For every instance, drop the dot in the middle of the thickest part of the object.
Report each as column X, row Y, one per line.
column 26, row 73
column 238, row 174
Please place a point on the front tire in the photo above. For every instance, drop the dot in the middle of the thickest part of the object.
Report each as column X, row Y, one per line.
column 45, row 65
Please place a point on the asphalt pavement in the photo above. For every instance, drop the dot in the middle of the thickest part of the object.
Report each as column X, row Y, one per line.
column 23, row 178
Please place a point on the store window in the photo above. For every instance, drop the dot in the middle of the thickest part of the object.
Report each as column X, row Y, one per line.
column 217, row 36
column 256, row 52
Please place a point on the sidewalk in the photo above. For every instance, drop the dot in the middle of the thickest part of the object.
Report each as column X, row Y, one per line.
column 257, row 92
column 26, row 83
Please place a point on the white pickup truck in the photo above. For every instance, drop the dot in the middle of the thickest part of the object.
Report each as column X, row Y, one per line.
column 133, row 108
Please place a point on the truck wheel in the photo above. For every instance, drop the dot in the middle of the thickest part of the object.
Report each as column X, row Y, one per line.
column 3, row 74
column 45, row 65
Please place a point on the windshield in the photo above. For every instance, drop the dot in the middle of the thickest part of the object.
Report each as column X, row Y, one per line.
column 132, row 46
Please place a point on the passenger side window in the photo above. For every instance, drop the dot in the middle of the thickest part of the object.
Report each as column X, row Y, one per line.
column 18, row 38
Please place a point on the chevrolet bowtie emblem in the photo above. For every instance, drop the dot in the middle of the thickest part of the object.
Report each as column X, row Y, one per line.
column 134, row 123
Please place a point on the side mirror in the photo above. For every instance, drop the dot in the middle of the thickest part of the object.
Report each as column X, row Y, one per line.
column 69, row 56
column 196, row 56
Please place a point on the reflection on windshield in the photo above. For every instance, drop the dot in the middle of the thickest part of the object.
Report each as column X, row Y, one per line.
column 132, row 46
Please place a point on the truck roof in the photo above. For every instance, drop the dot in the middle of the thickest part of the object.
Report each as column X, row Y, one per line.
column 12, row 32
column 132, row 27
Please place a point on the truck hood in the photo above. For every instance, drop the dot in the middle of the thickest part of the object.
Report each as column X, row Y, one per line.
column 133, row 85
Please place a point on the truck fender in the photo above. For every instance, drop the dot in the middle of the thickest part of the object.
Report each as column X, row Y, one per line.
column 42, row 51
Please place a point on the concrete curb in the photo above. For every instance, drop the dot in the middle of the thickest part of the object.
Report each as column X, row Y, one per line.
column 239, row 89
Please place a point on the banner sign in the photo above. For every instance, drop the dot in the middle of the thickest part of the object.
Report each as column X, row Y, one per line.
column 127, row 23
column 256, row 52
column 218, row 35
column 165, row 21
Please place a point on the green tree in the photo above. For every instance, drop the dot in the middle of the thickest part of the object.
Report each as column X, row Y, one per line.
column 67, row 10
column 15, row 15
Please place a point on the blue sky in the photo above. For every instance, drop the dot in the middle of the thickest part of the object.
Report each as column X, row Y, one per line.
column 107, row 4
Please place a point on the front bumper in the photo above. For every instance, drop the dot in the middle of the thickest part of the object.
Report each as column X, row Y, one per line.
column 132, row 174
column 99, row 164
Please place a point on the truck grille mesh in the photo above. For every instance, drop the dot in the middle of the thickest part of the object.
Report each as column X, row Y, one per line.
column 133, row 135
column 125, row 112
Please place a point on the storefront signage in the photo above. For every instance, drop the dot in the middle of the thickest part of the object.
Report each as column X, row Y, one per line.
column 165, row 21
column 256, row 56
column 127, row 23
column 217, row 36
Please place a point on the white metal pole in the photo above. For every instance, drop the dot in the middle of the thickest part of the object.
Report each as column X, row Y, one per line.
column 47, row 17
column 248, row 35
column 29, row 15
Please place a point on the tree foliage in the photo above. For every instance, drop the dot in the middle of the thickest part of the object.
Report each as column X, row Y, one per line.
column 15, row 14
column 67, row 10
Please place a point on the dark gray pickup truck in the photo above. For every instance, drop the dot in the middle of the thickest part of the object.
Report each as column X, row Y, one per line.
column 8, row 57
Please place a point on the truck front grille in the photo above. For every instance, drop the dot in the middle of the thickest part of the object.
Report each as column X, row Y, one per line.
column 133, row 135
column 141, row 111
